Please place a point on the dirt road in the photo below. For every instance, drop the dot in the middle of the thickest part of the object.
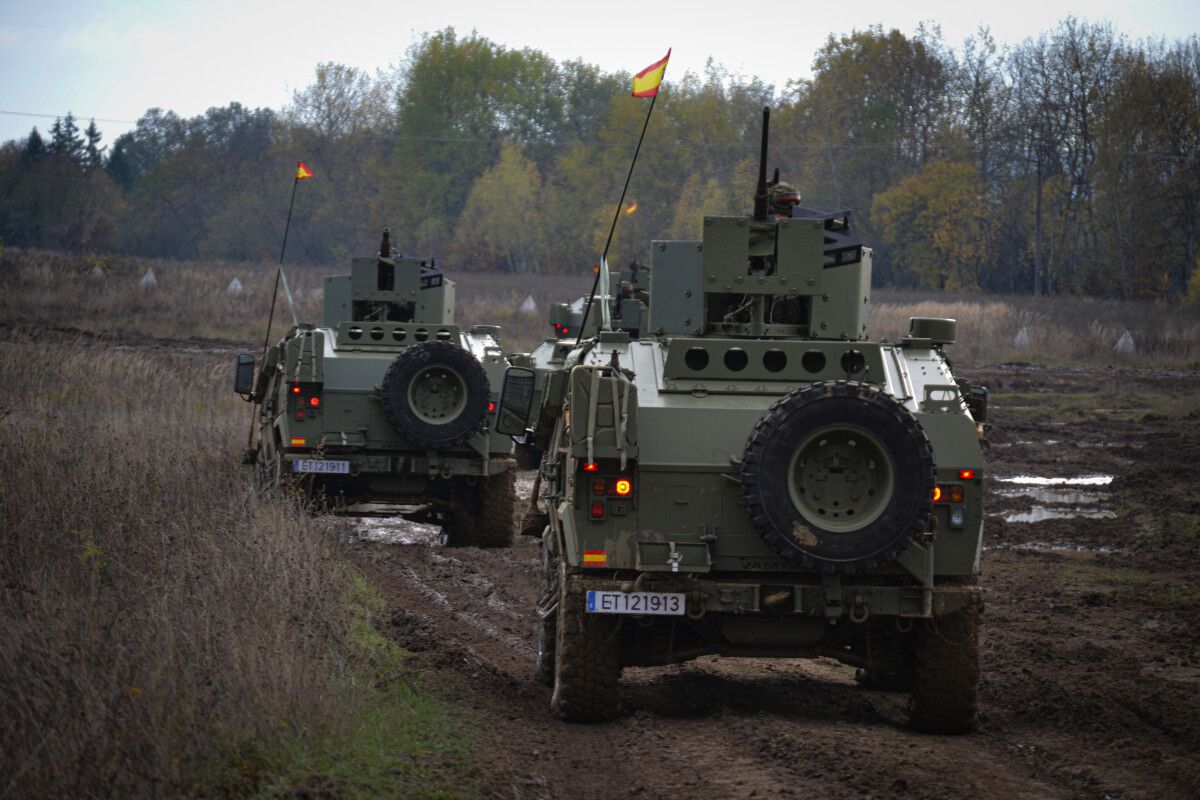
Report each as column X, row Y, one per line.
column 1090, row 655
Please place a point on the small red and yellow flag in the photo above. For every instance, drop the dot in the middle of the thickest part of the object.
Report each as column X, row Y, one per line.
column 645, row 83
column 302, row 172
column 595, row 558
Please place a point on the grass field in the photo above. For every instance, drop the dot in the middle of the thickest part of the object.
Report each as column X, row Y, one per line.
column 191, row 301
column 165, row 630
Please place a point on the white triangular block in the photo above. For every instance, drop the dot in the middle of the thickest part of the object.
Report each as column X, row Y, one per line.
column 1125, row 344
column 148, row 280
column 1021, row 340
column 529, row 306
column 234, row 287
column 96, row 274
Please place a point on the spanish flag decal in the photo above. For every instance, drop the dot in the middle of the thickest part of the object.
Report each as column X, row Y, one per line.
column 595, row 558
column 302, row 172
column 645, row 83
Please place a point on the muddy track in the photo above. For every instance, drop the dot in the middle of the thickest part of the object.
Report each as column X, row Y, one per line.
column 1088, row 689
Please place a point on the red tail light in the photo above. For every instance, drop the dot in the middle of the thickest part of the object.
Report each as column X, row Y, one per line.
column 306, row 400
column 598, row 509
column 591, row 467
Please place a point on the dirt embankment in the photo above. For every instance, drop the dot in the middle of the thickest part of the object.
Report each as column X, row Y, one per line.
column 1090, row 652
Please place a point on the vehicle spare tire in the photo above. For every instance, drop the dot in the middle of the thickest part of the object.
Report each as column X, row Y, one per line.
column 838, row 476
column 435, row 394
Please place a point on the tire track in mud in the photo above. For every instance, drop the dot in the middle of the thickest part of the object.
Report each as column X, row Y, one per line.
column 711, row 728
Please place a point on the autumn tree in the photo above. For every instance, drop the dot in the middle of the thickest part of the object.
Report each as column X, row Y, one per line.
column 937, row 225
column 499, row 225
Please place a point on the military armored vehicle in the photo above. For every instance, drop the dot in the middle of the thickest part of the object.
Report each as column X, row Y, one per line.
column 751, row 476
column 626, row 302
column 389, row 401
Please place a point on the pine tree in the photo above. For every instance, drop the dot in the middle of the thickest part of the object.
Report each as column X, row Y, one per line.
column 93, row 155
column 34, row 149
column 65, row 140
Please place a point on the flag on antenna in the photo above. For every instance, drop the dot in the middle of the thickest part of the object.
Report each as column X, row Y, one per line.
column 645, row 83
column 302, row 172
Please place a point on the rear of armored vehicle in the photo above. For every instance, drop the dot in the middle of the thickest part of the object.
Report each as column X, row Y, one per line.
column 389, row 401
column 755, row 479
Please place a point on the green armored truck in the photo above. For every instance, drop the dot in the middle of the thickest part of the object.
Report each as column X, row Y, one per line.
column 750, row 476
column 388, row 400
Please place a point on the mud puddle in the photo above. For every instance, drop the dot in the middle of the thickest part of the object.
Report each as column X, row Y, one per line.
column 1039, row 499
column 383, row 524
column 1082, row 480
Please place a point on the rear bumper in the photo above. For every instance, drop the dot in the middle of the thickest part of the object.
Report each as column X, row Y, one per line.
column 828, row 598
column 428, row 465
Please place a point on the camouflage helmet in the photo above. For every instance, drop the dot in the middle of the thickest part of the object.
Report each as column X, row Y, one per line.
column 782, row 196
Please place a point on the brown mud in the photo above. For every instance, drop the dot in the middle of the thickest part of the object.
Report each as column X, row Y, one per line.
column 1090, row 646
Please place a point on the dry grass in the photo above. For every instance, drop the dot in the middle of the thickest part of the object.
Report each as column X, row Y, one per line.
column 159, row 621
column 191, row 302
column 1064, row 330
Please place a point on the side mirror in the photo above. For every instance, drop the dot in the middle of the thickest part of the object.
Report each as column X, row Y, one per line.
column 243, row 381
column 516, row 401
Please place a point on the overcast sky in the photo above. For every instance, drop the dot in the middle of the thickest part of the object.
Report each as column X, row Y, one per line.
column 114, row 59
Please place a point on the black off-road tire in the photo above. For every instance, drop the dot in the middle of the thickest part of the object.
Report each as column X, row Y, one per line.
column 946, row 682
column 463, row 372
column 855, row 414
column 546, row 625
column 544, row 634
column 587, row 664
column 270, row 475
column 482, row 513
column 528, row 456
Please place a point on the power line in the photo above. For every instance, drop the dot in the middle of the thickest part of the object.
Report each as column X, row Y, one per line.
column 60, row 116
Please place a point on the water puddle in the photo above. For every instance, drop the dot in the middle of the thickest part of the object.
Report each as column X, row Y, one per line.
column 1043, row 513
column 1054, row 547
column 1061, row 497
column 1057, row 498
column 382, row 523
column 1083, row 480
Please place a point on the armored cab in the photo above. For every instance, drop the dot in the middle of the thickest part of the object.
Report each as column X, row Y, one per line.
column 750, row 476
column 388, row 400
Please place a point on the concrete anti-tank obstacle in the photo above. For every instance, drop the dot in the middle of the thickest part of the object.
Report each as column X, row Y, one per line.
column 234, row 288
column 1125, row 345
column 529, row 306
column 1021, row 340
column 96, row 273
column 148, row 280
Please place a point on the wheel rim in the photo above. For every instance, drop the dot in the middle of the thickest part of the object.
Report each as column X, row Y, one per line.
column 437, row 394
column 841, row 478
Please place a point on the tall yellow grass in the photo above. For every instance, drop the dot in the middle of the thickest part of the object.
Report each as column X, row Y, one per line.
column 153, row 609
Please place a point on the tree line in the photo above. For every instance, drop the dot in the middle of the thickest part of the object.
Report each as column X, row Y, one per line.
column 1066, row 164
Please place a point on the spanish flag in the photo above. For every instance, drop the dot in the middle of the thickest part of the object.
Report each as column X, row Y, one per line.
column 645, row 83
column 302, row 172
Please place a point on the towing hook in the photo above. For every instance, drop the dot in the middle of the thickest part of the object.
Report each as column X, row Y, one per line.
column 860, row 612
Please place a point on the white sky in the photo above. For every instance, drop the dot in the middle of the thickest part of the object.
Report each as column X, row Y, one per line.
column 113, row 59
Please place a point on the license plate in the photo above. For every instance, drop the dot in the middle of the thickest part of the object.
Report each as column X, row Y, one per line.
column 321, row 466
column 668, row 604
